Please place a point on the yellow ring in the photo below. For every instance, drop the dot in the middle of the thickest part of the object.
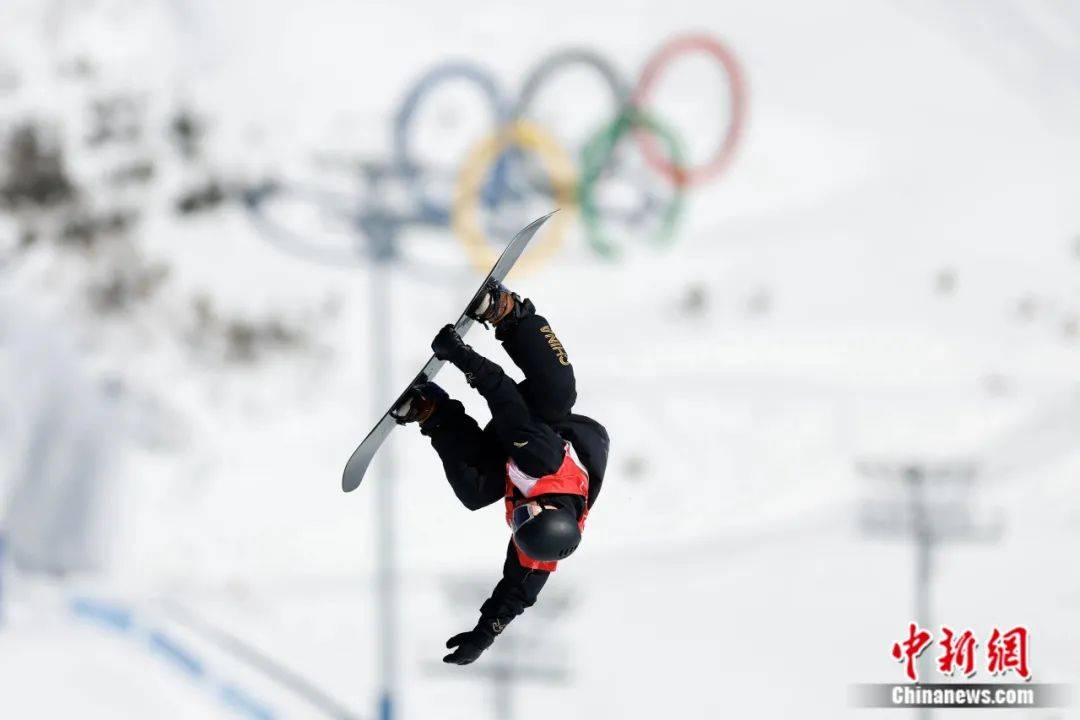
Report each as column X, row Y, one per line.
column 466, row 213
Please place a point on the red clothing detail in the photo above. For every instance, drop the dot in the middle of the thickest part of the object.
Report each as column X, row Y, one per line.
column 570, row 479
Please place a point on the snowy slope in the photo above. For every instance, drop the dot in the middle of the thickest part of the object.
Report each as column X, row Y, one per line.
column 880, row 154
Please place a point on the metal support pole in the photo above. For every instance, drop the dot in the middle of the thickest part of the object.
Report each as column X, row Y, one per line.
column 929, row 520
column 385, row 489
column 924, row 541
column 503, row 680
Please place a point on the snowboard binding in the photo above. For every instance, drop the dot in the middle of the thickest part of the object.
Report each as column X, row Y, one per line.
column 493, row 304
column 417, row 404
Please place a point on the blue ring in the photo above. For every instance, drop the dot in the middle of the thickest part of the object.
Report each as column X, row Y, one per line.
column 433, row 210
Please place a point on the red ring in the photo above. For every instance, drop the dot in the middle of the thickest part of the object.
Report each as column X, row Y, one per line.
column 650, row 147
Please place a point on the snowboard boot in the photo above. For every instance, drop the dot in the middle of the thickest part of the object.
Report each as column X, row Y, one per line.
column 418, row 404
column 499, row 306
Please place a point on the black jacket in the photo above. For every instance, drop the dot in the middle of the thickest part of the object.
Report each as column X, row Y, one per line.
column 519, row 587
column 475, row 464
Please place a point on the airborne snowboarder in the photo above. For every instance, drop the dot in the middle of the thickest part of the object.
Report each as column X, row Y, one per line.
column 544, row 462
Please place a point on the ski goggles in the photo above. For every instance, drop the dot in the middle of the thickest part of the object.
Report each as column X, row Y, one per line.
column 524, row 513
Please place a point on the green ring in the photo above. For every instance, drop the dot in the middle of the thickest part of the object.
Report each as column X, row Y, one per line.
column 594, row 158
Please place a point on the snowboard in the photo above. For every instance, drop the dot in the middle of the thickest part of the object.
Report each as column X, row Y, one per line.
column 362, row 456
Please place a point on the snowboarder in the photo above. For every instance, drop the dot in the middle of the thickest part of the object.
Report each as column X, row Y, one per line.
column 544, row 462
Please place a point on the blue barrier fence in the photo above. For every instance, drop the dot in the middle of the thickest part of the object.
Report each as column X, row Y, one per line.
column 121, row 619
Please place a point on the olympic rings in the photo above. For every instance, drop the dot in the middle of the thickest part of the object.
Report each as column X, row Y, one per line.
column 595, row 157
column 496, row 176
column 559, row 170
column 546, row 69
column 737, row 99
column 653, row 137
column 403, row 154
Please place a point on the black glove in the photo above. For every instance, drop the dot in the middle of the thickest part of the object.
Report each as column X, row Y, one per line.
column 448, row 345
column 472, row 644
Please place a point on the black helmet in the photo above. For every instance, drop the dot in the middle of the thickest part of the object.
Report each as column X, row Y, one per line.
column 544, row 531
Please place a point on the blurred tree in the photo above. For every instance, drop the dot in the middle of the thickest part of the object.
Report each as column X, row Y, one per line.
column 35, row 174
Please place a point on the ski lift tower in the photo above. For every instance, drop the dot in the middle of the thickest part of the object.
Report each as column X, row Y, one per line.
column 929, row 503
column 376, row 235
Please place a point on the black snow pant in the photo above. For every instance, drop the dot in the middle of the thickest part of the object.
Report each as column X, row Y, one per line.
column 521, row 414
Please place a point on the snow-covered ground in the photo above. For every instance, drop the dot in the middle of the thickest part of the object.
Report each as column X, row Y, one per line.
column 889, row 270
